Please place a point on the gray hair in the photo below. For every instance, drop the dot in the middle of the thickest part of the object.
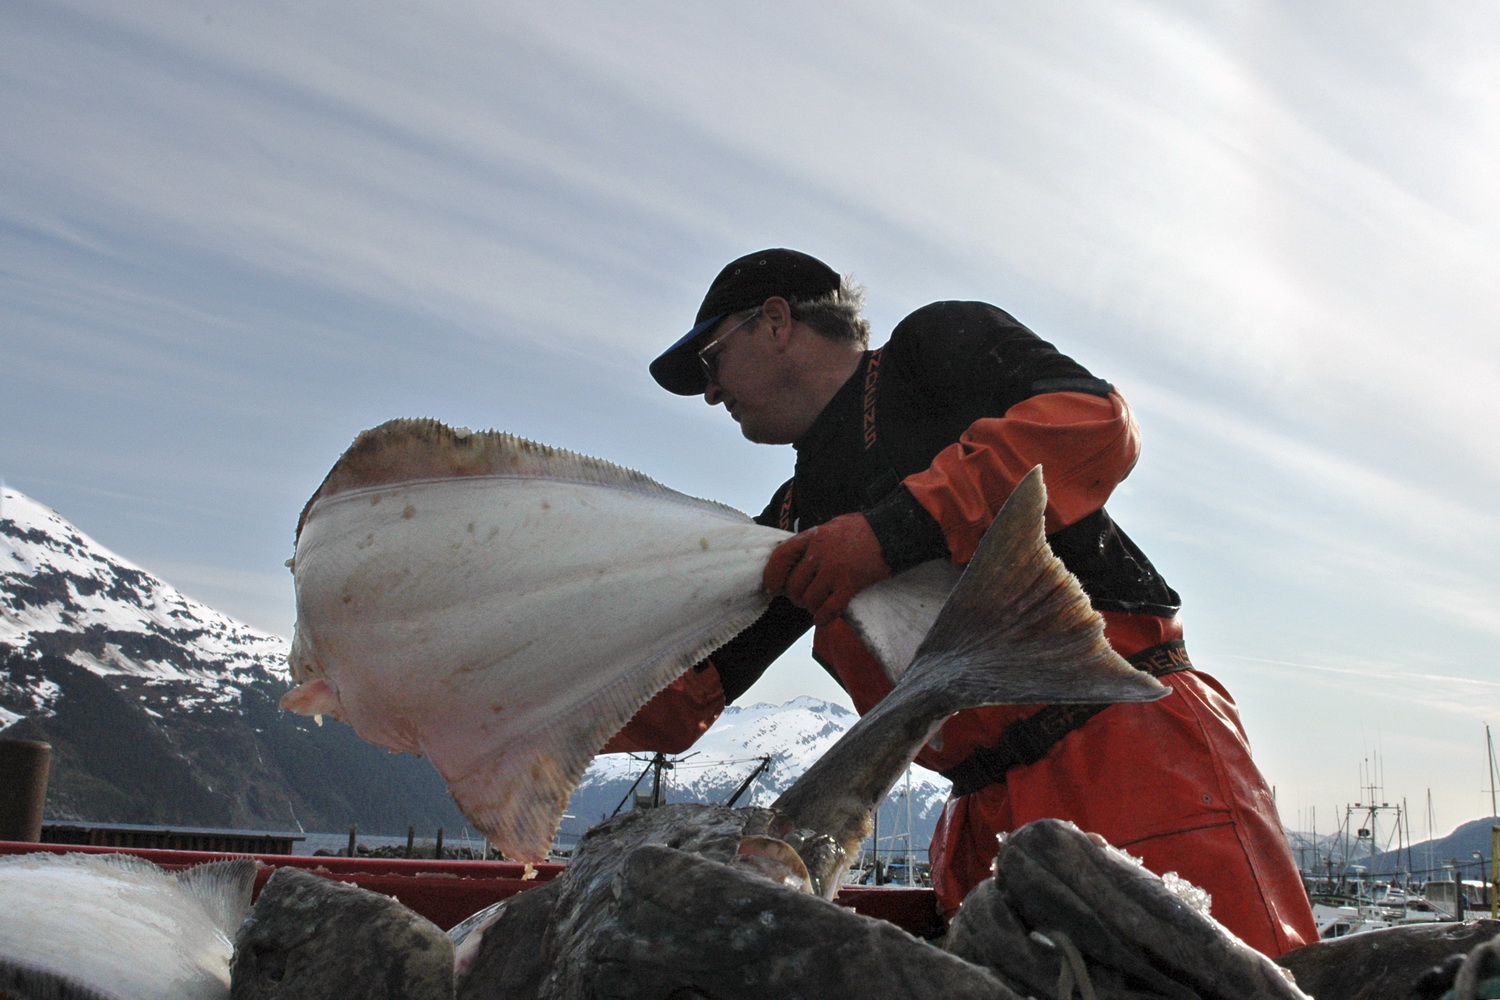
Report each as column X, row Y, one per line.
column 837, row 314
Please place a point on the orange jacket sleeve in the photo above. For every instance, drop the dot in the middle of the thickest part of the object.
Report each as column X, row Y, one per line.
column 1085, row 444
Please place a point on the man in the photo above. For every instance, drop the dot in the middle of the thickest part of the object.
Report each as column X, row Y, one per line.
column 905, row 454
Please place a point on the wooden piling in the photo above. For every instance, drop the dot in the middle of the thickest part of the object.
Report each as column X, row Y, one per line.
column 24, row 766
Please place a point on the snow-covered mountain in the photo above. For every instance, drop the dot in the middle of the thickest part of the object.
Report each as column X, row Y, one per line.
column 160, row 709
column 62, row 592
column 791, row 736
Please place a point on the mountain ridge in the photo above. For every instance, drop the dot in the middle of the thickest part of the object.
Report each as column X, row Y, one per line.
column 161, row 709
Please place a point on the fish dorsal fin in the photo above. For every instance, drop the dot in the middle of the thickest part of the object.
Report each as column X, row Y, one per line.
column 222, row 888
column 128, row 863
column 412, row 449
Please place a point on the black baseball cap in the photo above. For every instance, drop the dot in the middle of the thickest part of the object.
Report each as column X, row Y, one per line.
column 743, row 284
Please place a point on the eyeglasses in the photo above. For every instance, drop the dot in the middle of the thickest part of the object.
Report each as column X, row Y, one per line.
column 709, row 358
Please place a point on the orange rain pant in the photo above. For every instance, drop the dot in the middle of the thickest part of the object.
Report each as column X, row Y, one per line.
column 1170, row 782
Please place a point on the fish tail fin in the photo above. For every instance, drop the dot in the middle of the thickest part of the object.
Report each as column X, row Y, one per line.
column 223, row 889
column 1019, row 629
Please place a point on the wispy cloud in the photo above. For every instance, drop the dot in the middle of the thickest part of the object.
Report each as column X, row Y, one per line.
column 233, row 236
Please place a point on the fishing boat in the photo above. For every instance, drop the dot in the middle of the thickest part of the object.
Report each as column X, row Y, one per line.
column 1373, row 912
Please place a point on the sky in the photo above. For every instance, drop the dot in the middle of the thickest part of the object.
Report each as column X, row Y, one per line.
column 234, row 234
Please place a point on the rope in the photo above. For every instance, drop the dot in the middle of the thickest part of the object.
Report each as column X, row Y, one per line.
column 1073, row 972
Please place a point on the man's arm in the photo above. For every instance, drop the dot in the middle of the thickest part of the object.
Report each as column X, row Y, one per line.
column 1085, row 443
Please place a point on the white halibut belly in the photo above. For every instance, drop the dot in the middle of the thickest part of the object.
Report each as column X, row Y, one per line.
column 464, row 618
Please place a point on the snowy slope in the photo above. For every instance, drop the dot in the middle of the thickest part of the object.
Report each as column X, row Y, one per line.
column 160, row 709
column 793, row 735
column 54, row 580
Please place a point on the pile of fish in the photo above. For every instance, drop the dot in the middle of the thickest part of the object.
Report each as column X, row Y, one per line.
column 504, row 608
column 1064, row 916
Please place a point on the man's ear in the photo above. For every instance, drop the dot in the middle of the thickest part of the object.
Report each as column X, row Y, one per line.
column 778, row 312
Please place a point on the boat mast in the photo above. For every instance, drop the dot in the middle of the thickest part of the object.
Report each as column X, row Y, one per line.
column 1494, row 887
column 1490, row 745
column 1431, row 822
column 1406, row 814
column 1371, row 830
column 911, row 860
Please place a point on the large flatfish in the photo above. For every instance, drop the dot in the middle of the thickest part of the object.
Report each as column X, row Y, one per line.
column 504, row 608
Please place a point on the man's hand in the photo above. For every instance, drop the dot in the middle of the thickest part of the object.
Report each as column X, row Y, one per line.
column 822, row 568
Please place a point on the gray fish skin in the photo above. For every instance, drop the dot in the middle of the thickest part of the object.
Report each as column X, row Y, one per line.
column 507, row 957
column 680, row 925
column 1138, row 937
column 1017, row 629
column 311, row 938
column 511, row 948
column 587, row 890
column 1383, row 963
column 988, row 933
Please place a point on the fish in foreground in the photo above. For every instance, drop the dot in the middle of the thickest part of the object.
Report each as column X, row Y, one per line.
column 114, row 926
column 1064, row 903
column 504, row 608
column 1407, row 962
column 672, row 923
column 310, row 938
column 1017, row 627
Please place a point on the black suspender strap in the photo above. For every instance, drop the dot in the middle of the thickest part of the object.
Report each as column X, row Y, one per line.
column 1028, row 740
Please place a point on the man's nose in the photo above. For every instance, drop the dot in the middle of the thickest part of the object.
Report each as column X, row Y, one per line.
column 712, row 394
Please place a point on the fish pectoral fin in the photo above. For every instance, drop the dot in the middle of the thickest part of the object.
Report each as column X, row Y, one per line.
column 313, row 698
